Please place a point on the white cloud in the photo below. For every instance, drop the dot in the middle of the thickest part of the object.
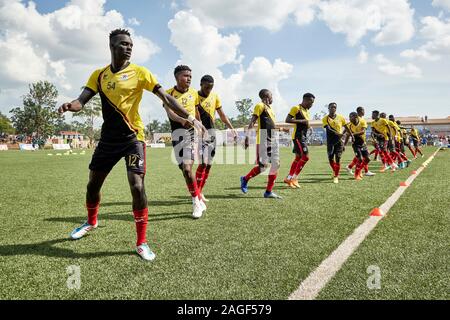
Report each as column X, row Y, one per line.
column 134, row 22
column 392, row 20
column 390, row 68
column 271, row 14
column 45, row 46
column 206, row 51
column 442, row 3
column 363, row 56
column 436, row 32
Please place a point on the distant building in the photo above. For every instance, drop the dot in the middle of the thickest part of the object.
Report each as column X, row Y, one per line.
column 71, row 135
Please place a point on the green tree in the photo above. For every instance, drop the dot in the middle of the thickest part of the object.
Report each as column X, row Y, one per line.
column 165, row 127
column 244, row 107
column 38, row 114
column 5, row 125
column 219, row 125
column 151, row 128
column 88, row 114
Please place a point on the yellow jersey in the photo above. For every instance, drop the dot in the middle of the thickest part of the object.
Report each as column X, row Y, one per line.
column 381, row 126
column 361, row 126
column 337, row 123
column 188, row 100
column 207, row 108
column 266, row 121
column 120, row 94
column 415, row 134
column 300, row 130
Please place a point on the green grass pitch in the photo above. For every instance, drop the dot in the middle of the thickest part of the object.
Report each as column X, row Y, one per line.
column 245, row 247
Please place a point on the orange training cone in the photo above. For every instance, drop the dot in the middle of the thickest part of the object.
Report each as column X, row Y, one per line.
column 414, row 172
column 403, row 184
column 376, row 213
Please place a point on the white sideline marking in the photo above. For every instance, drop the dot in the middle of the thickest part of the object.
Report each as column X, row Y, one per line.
column 310, row 288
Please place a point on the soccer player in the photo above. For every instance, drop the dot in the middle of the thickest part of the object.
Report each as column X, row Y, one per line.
column 267, row 149
column 405, row 137
column 361, row 113
column 209, row 104
column 357, row 129
column 120, row 86
column 403, row 161
column 415, row 138
column 183, row 135
column 300, row 117
column 334, row 125
column 381, row 132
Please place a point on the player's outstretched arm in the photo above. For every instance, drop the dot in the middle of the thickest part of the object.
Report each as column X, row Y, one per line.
column 224, row 119
column 290, row 119
column 170, row 103
column 77, row 104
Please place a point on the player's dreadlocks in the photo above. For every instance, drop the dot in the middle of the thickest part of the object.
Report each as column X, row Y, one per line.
column 117, row 32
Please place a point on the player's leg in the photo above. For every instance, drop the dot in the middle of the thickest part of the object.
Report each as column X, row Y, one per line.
column 351, row 165
column 337, row 160
column 360, row 165
column 331, row 155
column 304, row 159
column 411, row 149
column 417, row 147
column 274, row 160
column 103, row 160
column 291, row 179
column 209, row 153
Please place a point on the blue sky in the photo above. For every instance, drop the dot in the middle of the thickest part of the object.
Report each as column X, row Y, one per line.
column 389, row 54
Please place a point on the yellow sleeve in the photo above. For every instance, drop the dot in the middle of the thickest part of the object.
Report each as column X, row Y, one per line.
column 197, row 98
column 92, row 82
column 294, row 111
column 218, row 102
column 259, row 108
column 344, row 122
column 149, row 81
column 325, row 121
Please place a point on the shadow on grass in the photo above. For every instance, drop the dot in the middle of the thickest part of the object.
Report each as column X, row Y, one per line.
column 151, row 203
column 47, row 249
column 229, row 196
column 125, row 216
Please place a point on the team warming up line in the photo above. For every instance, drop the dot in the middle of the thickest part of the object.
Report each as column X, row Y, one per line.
column 191, row 114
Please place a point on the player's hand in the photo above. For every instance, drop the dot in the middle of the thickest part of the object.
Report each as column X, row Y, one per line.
column 69, row 106
column 235, row 135
column 186, row 124
column 200, row 128
column 246, row 143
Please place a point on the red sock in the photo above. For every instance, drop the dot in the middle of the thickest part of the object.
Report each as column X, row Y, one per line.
column 333, row 166
column 337, row 169
column 193, row 189
column 366, row 167
column 353, row 163
column 271, row 182
column 253, row 173
column 141, row 219
column 301, row 165
column 199, row 174
column 294, row 166
column 92, row 209
column 358, row 169
column 205, row 177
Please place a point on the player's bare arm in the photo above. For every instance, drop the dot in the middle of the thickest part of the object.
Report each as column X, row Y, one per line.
column 77, row 104
column 224, row 119
column 290, row 119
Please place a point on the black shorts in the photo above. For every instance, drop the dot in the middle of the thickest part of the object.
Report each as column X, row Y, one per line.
column 183, row 142
column 381, row 144
column 335, row 148
column 267, row 152
column 106, row 156
column 300, row 147
column 360, row 151
column 415, row 143
column 391, row 146
column 208, row 150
